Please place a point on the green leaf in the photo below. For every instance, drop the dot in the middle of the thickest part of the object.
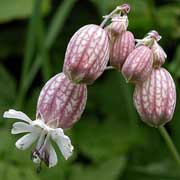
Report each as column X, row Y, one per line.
column 18, row 9
column 107, row 170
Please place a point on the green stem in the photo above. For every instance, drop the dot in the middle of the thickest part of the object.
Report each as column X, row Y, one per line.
column 170, row 144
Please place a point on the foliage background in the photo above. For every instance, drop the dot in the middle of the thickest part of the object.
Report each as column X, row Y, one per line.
column 110, row 140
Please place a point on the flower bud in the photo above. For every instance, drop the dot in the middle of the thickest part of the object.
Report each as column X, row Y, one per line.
column 138, row 64
column 154, row 34
column 155, row 99
column 121, row 48
column 118, row 25
column 61, row 102
column 87, row 54
column 159, row 55
column 125, row 8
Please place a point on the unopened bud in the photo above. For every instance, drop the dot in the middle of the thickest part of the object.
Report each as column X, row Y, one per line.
column 138, row 64
column 61, row 102
column 87, row 54
column 121, row 48
column 118, row 25
column 155, row 99
column 159, row 55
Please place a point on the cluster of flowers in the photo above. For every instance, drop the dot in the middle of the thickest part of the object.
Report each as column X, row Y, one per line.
column 63, row 98
column 155, row 91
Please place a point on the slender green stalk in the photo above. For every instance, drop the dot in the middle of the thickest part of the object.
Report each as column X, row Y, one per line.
column 55, row 27
column 170, row 144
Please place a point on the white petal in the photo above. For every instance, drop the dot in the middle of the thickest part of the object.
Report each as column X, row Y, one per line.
column 16, row 115
column 26, row 141
column 52, row 156
column 21, row 127
column 39, row 123
column 63, row 142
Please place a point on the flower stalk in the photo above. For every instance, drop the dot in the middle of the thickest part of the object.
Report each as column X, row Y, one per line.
column 124, row 8
column 170, row 144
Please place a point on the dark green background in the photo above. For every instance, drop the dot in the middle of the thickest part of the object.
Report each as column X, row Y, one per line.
column 110, row 140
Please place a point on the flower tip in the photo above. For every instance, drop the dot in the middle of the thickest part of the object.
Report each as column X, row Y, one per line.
column 7, row 113
column 11, row 113
column 19, row 146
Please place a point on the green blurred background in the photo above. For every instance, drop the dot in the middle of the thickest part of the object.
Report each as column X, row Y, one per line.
column 111, row 142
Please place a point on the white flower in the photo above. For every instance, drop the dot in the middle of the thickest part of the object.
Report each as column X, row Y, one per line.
column 38, row 131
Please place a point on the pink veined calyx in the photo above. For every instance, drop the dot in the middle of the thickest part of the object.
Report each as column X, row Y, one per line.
column 155, row 98
column 60, row 104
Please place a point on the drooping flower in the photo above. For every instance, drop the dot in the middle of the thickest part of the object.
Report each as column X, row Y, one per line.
column 60, row 105
column 151, row 40
column 138, row 64
column 155, row 99
column 123, row 45
column 87, row 54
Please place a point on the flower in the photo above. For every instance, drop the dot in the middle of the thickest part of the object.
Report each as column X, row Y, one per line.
column 59, row 106
column 118, row 25
column 123, row 45
column 87, row 54
column 138, row 65
column 38, row 131
column 61, row 102
column 119, row 21
column 155, row 98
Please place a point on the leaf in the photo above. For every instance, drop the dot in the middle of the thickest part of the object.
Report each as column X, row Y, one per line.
column 18, row 9
column 107, row 170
